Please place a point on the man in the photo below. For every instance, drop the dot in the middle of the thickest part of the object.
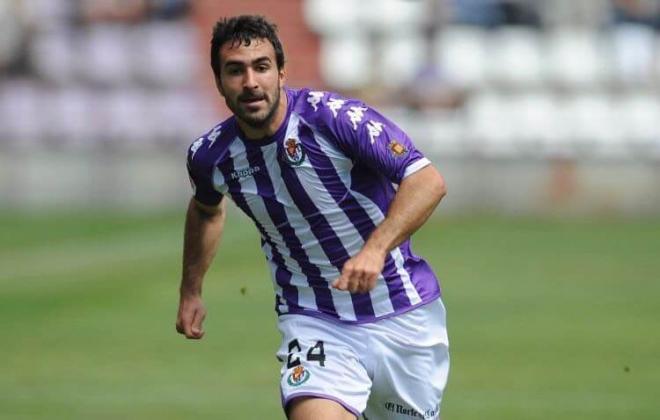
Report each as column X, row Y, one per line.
column 363, row 327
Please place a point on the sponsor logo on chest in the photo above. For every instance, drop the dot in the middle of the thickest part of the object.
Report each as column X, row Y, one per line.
column 244, row 173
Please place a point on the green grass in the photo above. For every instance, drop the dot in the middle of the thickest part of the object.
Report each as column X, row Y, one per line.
column 547, row 319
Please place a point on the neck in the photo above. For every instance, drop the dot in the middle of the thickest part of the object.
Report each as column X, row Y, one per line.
column 271, row 127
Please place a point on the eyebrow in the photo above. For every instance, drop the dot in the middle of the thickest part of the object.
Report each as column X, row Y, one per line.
column 240, row 63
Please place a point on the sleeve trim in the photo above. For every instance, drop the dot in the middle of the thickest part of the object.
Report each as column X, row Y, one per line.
column 415, row 166
column 208, row 201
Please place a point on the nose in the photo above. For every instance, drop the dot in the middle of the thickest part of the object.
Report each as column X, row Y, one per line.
column 249, row 81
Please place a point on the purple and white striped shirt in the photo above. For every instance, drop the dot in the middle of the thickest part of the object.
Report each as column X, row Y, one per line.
column 315, row 191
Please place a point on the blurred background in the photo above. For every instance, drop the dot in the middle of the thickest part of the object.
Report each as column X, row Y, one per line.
column 526, row 106
column 544, row 117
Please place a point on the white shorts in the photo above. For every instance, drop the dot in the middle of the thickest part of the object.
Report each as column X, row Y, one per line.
column 395, row 368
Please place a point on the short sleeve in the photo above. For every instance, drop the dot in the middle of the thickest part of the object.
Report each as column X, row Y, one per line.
column 200, row 173
column 369, row 137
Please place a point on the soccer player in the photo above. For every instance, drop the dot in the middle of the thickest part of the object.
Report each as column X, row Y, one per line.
column 335, row 190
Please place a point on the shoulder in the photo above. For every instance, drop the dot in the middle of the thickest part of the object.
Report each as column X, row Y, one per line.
column 213, row 144
column 347, row 120
column 327, row 109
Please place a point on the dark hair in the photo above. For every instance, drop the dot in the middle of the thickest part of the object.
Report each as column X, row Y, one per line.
column 242, row 30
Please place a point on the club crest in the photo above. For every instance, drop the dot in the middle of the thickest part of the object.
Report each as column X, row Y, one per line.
column 294, row 153
column 298, row 377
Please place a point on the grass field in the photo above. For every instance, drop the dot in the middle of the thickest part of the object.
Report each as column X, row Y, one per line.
column 548, row 320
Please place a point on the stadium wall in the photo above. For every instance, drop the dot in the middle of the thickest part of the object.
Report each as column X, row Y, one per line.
column 158, row 182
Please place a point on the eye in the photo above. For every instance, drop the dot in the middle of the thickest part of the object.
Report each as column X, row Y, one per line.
column 234, row 71
column 263, row 68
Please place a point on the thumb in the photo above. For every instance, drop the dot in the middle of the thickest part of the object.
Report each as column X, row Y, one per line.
column 345, row 276
column 198, row 318
column 340, row 282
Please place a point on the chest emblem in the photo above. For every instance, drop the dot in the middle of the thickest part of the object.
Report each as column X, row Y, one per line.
column 294, row 153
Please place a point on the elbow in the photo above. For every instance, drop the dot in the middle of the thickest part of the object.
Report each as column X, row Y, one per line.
column 442, row 187
column 439, row 186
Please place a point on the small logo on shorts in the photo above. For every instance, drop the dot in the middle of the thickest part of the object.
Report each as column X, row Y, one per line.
column 298, row 377
column 398, row 408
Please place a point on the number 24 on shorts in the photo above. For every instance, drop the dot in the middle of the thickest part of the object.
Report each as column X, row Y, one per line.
column 314, row 354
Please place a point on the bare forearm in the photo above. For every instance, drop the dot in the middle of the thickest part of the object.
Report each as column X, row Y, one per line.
column 413, row 203
column 202, row 233
column 415, row 200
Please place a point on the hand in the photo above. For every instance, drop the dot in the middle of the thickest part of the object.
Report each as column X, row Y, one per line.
column 360, row 272
column 190, row 317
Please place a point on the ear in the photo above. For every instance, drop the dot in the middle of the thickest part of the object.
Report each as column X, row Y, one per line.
column 282, row 76
column 218, row 84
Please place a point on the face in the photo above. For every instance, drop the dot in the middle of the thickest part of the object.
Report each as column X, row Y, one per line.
column 251, row 82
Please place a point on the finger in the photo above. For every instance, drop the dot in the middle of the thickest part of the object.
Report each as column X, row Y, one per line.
column 364, row 287
column 349, row 279
column 342, row 282
column 196, row 328
column 368, row 283
column 354, row 282
column 360, row 286
column 186, row 325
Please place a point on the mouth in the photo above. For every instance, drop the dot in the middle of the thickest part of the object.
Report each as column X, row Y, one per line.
column 252, row 100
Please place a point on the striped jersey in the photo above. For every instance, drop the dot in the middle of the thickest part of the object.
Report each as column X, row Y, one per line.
column 316, row 190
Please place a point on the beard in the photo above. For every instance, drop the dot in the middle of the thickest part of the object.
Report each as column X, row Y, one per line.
column 257, row 119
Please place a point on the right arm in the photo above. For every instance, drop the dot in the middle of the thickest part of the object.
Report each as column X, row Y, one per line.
column 203, row 228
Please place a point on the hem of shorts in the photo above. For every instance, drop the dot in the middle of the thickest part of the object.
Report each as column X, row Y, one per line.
column 326, row 317
column 291, row 397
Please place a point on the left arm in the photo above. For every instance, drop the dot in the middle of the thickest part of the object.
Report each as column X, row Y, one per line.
column 413, row 203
